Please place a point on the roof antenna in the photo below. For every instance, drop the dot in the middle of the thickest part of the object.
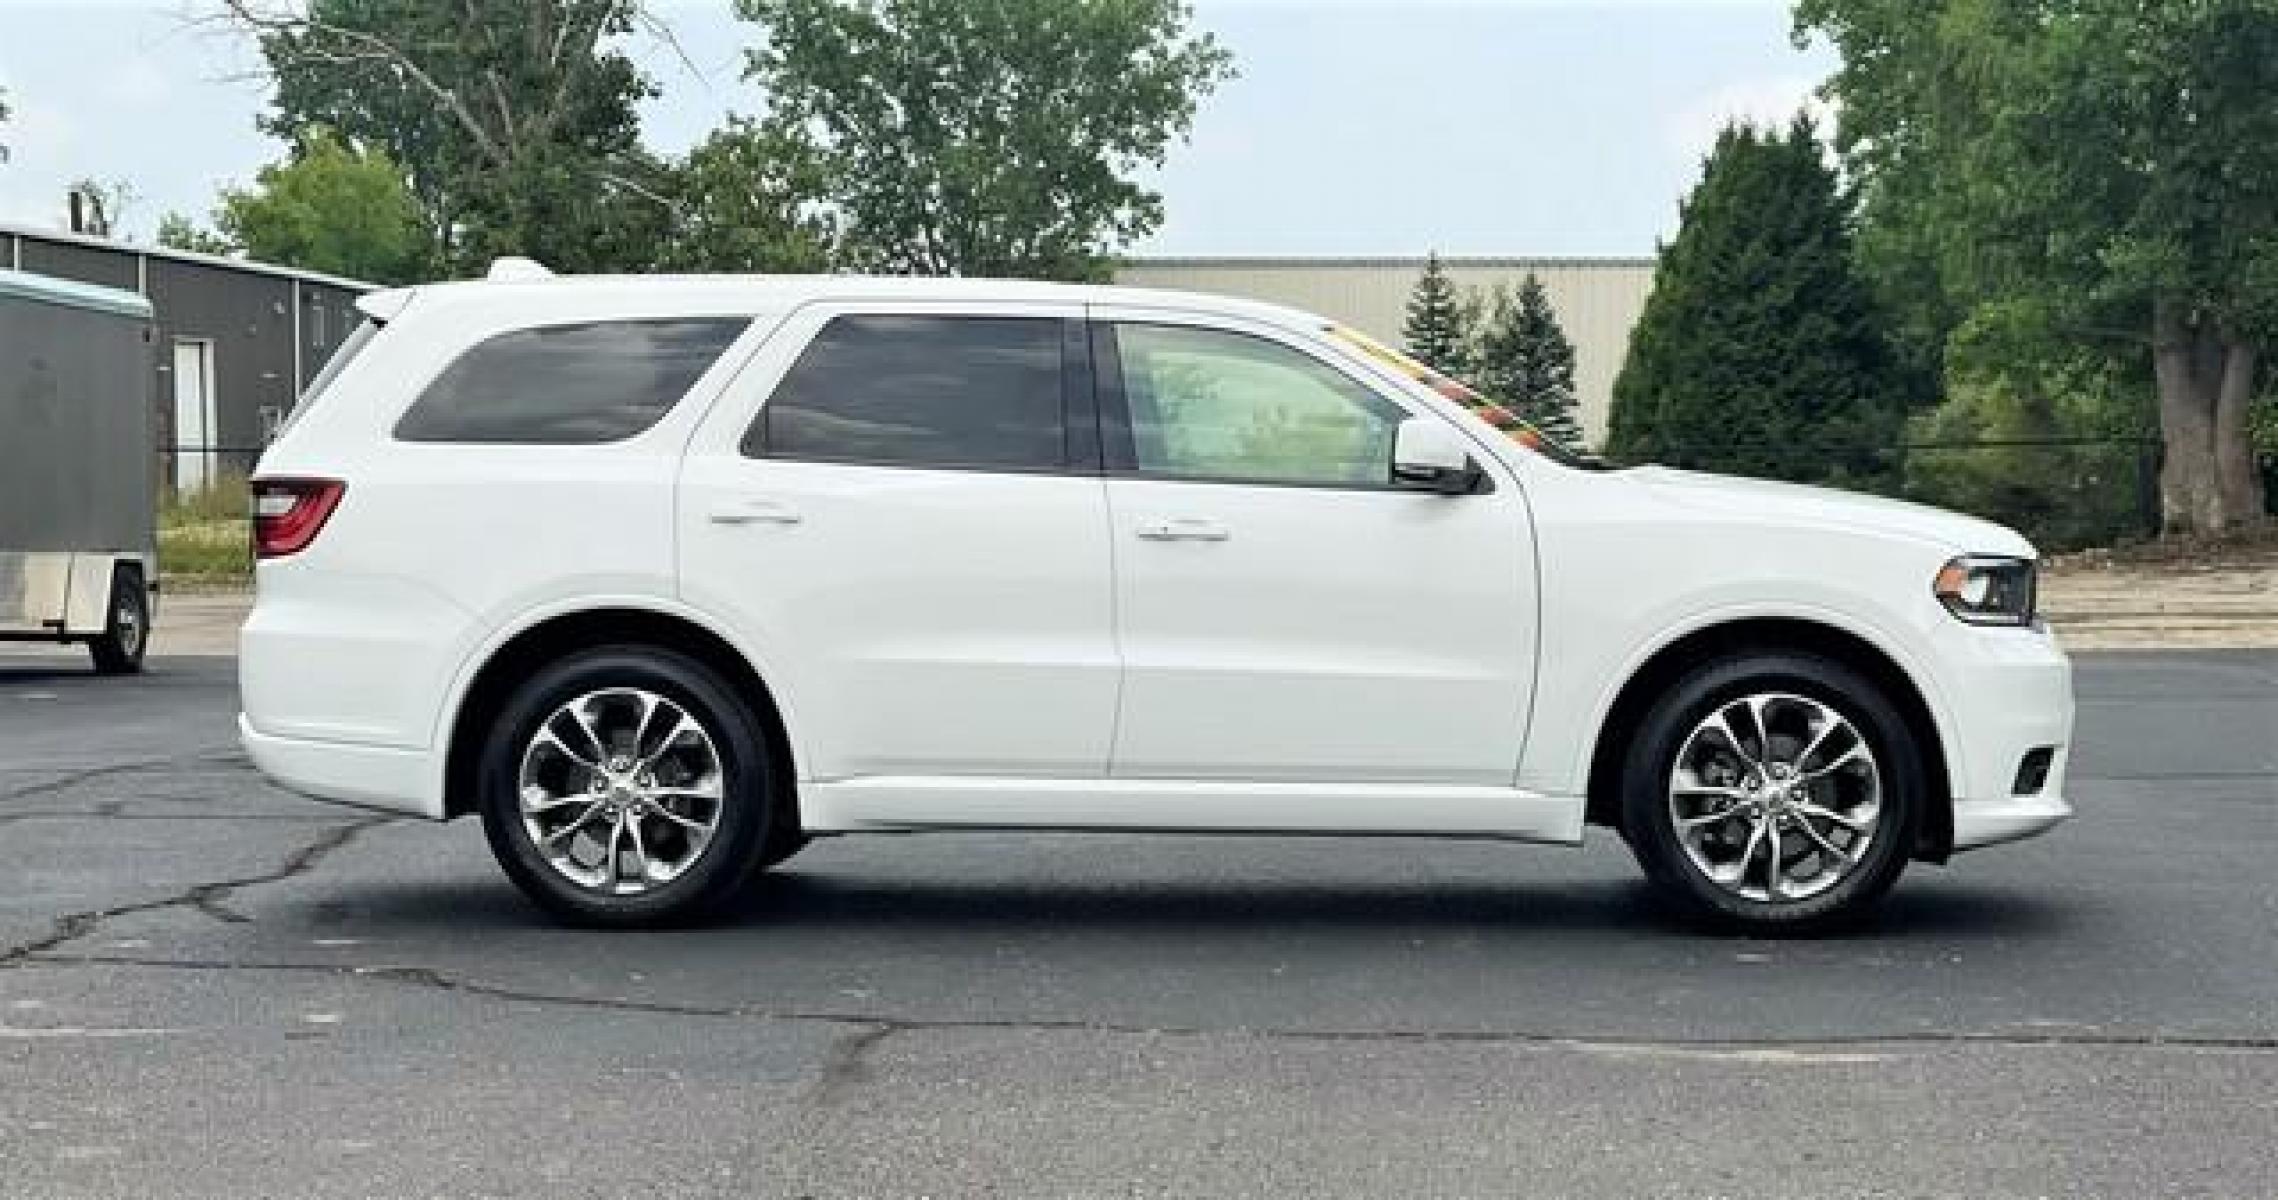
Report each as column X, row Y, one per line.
column 515, row 267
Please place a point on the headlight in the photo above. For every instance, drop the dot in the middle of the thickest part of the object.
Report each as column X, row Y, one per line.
column 1987, row 590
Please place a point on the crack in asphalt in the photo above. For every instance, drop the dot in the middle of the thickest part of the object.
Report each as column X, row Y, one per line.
column 73, row 779
column 843, row 1068
column 112, row 811
column 212, row 756
column 872, row 1028
column 208, row 898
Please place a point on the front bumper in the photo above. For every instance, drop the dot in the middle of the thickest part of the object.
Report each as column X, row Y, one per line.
column 1992, row 822
column 2009, row 693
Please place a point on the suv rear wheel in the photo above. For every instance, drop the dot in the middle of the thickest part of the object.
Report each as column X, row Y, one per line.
column 626, row 786
column 1773, row 792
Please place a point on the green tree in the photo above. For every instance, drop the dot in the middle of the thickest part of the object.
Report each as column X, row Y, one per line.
column 2103, row 177
column 1760, row 351
column 2051, row 446
column 513, row 120
column 1520, row 359
column 179, row 232
column 331, row 207
column 747, row 201
column 1437, row 332
column 983, row 139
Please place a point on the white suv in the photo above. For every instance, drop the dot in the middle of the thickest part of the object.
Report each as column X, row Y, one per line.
column 664, row 577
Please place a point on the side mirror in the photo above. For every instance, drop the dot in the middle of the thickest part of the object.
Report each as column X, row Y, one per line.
column 1428, row 455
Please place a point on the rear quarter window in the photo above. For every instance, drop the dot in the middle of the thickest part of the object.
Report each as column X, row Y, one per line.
column 922, row 391
column 566, row 385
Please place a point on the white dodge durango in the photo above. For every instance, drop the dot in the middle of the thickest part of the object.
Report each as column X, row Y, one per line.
column 665, row 577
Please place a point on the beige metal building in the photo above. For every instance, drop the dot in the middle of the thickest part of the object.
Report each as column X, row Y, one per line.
column 1597, row 299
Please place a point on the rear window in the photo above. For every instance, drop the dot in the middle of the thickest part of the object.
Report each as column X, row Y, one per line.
column 922, row 391
column 561, row 385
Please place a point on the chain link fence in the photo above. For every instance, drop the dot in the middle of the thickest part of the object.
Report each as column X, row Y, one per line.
column 2064, row 493
column 205, row 530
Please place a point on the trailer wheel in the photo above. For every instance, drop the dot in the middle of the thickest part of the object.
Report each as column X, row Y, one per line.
column 119, row 648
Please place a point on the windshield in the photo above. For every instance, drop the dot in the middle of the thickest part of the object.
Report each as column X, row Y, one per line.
column 1510, row 423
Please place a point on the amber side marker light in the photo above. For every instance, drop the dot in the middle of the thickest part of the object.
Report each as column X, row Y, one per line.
column 1986, row 589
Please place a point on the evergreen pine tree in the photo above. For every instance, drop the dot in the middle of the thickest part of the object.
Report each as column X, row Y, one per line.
column 1435, row 330
column 1521, row 360
column 1760, row 351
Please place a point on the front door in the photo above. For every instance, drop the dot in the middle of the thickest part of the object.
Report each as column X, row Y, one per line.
column 1286, row 613
column 891, row 509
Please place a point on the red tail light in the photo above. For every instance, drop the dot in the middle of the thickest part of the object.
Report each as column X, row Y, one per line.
column 289, row 513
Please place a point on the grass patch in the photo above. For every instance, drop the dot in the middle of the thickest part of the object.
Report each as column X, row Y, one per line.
column 207, row 535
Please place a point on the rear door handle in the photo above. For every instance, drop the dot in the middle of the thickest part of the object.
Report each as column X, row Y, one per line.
column 1184, row 529
column 756, row 512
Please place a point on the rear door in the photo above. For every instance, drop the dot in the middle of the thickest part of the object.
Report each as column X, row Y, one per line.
column 899, row 508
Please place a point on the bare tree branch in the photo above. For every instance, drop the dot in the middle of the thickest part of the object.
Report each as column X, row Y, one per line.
column 661, row 30
column 367, row 48
column 634, row 186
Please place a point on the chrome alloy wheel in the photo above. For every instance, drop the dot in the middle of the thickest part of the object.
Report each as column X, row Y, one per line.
column 621, row 790
column 1775, row 796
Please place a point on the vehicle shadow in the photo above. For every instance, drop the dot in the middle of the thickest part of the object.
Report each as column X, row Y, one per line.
column 1587, row 909
column 847, row 904
column 70, row 665
column 17, row 671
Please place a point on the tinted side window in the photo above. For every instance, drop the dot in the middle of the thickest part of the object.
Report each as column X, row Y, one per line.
column 601, row 381
column 923, row 390
column 1209, row 404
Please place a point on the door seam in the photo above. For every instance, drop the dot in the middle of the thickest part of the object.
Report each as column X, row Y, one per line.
column 1115, row 628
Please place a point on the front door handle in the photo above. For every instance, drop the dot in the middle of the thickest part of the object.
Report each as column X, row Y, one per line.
column 756, row 512
column 1184, row 529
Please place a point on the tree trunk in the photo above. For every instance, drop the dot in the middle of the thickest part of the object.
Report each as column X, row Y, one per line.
column 2207, row 479
column 2237, row 477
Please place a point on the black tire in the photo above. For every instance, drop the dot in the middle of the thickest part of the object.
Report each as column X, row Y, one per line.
column 746, row 811
column 782, row 846
column 1649, row 825
column 119, row 649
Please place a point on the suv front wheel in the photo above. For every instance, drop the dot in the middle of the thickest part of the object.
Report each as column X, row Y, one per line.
column 1773, row 792
column 626, row 786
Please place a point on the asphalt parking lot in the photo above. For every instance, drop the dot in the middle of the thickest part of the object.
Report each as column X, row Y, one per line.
column 208, row 987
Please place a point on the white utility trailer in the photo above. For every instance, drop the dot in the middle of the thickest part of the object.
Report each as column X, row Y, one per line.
column 78, row 544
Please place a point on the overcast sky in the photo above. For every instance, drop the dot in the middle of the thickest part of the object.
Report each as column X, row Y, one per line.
column 1357, row 126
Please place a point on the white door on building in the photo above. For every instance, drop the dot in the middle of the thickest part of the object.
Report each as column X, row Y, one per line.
column 193, row 414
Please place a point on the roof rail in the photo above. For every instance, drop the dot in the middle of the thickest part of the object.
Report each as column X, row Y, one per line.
column 514, row 267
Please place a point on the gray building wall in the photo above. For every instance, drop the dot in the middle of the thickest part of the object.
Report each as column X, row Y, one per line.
column 269, row 329
column 1597, row 299
column 87, row 264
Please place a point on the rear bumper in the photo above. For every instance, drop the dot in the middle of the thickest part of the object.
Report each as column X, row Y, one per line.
column 377, row 777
